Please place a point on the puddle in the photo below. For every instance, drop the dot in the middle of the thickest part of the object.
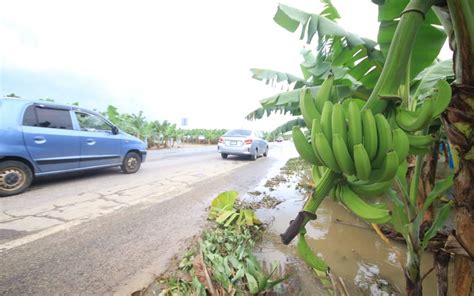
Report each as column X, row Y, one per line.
column 351, row 248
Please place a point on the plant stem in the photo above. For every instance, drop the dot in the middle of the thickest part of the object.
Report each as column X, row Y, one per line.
column 415, row 180
column 398, row 56
column 412, row 272
column 324, row 186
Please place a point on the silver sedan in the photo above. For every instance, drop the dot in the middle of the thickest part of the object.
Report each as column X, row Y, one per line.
column 242, row 142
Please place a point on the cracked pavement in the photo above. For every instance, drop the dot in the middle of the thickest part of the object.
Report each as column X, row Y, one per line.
column 106, row 233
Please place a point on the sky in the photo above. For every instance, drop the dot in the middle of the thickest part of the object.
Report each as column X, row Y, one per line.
column 171, row 59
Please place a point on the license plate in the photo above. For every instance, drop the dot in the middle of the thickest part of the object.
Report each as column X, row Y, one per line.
column 233, row 143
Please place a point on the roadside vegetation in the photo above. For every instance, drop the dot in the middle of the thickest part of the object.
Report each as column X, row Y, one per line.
column 160, row 134
column 371, row 116
column 222, row 261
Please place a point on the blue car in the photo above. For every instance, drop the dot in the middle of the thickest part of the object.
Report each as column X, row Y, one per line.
column 42, row 138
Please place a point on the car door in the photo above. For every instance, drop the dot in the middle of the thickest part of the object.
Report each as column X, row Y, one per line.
column 99, row 145
column 50, row 139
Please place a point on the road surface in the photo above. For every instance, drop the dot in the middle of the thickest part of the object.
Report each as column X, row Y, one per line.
column 109, row 233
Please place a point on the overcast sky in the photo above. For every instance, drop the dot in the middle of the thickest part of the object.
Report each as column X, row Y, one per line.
column 171, row 59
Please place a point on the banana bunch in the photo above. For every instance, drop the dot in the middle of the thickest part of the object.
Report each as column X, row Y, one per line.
column 353, row 142
column 413, row 121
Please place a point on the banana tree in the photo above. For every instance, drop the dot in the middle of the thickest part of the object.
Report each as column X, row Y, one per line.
column 409, row 44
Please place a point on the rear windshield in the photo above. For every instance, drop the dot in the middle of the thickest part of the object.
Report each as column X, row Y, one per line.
column 238, row 133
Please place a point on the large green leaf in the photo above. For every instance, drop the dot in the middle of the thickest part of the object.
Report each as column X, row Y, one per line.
column 429, row 40
column 441, row 217
column 338, row 51
column 440, row 188
column 269, row 76
column 329, row 10
column 225, row 200
column 426, row 80
column 288, row 102
column 293, row 97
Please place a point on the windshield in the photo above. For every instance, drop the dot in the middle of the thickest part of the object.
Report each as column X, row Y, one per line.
column 238, row 133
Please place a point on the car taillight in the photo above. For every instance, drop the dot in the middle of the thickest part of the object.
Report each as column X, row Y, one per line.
column 221, row 140
column 248, row 141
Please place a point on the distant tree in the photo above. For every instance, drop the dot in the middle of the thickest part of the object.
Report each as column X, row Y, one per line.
column 13, row 95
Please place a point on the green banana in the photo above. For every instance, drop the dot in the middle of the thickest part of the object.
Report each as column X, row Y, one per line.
column 369, row 129
column 324, row 92
column 385, row 140
column 315, row 129
column 367, row 212
column 308, row 108
column 362, row 163
column 303, row 147
column 305, row 253
column 325, row 152
column 355, row 125
column 401, row 144
column 420, row 140
column 389, row 168
column 338, row 122
column 414, row 121
column 370, row 190
column 326, row 116
column 443, row 98
column 342, row 155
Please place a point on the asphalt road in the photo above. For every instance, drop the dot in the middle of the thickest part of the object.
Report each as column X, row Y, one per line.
column 108, row 233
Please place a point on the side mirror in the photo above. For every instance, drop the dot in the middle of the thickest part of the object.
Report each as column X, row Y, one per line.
column 115, row 130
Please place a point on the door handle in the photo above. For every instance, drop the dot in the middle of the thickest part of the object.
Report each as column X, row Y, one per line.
column 39, row 140
column 90, row 142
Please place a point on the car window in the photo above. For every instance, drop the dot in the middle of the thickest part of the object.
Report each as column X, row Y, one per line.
column 92, row 123
column 238, row 133
column 47, row 117
column 29, row 118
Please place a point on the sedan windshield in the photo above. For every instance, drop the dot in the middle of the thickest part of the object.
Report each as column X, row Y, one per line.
column 238, row 133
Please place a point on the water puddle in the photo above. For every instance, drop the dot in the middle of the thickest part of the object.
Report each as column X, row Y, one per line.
column 350, row 246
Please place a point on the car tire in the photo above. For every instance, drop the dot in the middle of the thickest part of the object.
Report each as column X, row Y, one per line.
column 15, row 177
column 131, row 163
column 254, row 155
column 224, row 155
column 265, row 154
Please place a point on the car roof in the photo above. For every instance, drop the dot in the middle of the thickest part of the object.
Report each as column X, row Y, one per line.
column 47, row 104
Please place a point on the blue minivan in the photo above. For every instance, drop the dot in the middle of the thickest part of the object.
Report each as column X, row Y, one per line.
column 43, row 138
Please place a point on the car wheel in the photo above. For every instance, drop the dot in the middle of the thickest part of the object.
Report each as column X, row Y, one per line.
column 15, row 177
column 254, row 155
column 131, row 163
column 266, row 152
column 224, row 155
